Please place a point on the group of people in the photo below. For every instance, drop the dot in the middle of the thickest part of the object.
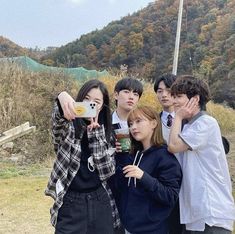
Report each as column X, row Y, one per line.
column 174, row 179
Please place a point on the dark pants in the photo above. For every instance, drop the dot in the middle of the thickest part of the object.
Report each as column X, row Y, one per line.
column 121, row 230
column 85, row 213
column 174, row 221
column 209, row 230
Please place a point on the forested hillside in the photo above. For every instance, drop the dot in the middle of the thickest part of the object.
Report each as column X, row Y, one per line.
column 10, row 49
column 145, row 42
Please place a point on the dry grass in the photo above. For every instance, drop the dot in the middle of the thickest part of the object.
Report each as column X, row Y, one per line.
column 224, row 115
column 27, row 96
column 23, row 207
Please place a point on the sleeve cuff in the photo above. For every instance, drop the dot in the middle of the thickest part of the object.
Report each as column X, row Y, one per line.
column 147, row 181
column 122, row 159
column 59, row 106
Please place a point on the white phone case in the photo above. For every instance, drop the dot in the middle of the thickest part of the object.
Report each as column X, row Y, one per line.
column 85, row 109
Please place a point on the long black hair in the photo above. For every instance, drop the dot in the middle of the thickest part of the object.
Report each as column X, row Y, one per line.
column 105, row 114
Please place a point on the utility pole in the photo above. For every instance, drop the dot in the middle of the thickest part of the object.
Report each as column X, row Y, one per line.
column 177, row 40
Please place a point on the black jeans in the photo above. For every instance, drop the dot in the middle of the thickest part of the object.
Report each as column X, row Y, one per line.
column 209, row 230
column 85, row 213
column 174, row 220
column 120, row 230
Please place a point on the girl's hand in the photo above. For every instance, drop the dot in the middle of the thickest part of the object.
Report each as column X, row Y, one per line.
column 133, row 171
column 118, row 147
column 94, row 123
column 67, row 105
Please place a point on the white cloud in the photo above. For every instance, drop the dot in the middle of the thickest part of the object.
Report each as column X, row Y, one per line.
column 78, row 2
column 112, row 1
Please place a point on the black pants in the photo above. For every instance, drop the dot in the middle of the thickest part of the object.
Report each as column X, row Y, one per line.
column 209, row 230
column 120, row 230
column 85, row 213
column 174, row 220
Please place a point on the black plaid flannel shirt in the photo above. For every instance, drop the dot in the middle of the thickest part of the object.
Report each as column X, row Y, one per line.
column 67, row 163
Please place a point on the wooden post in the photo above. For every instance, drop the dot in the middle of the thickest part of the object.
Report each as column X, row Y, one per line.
column 16, row 132
column 177, row 40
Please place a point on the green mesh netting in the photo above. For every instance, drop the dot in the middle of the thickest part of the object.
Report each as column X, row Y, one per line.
column 31, row 65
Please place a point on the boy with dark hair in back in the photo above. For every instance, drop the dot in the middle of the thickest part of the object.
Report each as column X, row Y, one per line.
column 206, row 201
column 127, row 93
column 162, row 87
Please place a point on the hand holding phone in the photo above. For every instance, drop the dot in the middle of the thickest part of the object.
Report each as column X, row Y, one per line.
column 66, row 102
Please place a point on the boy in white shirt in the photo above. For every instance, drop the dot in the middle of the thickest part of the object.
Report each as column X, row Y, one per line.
column 127, row 93
column 206, row 201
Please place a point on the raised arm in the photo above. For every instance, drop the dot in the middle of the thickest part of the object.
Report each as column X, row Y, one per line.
column 175, row 143
column 187, row 111
column 61, row 119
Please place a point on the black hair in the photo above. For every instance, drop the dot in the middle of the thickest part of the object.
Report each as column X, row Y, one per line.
column 226, row 144
column 192, row 86
column 105, row 113
column 168, row 79
column 129, row 83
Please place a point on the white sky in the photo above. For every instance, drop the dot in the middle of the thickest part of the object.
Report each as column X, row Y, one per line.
column 43, row 23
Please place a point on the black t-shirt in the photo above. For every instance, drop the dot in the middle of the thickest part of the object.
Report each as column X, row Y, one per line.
column 85, row 180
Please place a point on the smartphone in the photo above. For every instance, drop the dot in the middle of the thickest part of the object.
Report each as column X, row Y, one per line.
column 85, row 109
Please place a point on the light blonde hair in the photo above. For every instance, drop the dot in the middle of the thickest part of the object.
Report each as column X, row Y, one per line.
column 149, row 113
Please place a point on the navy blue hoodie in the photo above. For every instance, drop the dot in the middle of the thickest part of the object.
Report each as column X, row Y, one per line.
column 145, row 204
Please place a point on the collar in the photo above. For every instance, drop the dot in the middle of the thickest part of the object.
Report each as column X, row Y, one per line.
column 116, row 119
column 198, row 115
column 165, row 114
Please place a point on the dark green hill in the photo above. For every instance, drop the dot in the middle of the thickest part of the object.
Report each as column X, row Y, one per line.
column 145, row 42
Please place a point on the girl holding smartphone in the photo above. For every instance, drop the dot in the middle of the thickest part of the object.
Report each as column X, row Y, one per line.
column 78, row 183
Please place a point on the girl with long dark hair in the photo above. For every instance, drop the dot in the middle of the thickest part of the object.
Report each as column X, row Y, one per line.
column 83, row 201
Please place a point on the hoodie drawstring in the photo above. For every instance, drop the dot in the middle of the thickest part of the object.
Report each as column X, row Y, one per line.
column 138, row 163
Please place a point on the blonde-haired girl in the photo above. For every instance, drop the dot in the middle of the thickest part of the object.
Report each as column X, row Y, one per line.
column 149, row 178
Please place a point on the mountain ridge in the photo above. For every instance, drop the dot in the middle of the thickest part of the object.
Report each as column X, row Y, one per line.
column 144, row 41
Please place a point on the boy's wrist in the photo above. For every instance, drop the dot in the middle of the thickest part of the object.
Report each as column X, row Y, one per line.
column 178, row 116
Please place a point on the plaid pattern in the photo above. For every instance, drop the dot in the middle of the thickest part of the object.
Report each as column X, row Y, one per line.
column 67, row 163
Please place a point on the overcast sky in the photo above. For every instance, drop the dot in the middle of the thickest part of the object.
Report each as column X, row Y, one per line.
column 43, row 23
